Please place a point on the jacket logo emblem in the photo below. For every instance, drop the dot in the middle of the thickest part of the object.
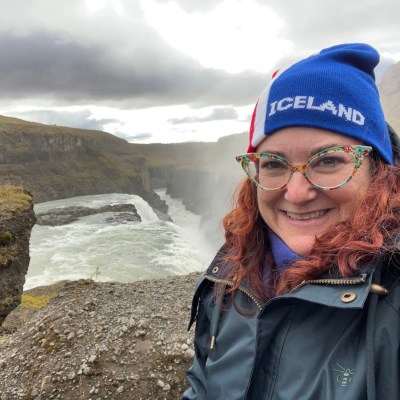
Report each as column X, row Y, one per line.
column 344, row 375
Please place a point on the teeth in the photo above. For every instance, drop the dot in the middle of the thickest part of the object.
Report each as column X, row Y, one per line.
column 315, row 214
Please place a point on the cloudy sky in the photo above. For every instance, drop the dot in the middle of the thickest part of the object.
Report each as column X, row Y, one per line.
column 168, row 71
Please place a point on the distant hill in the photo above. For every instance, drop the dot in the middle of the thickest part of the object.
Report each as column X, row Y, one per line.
column 17, row 121
column 54, row 162
column 389, row 90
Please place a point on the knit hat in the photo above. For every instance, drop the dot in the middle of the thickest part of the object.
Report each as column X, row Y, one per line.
column 334, row 90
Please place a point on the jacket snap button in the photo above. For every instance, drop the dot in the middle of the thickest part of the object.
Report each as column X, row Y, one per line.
column 215, row 270
column 348, row 297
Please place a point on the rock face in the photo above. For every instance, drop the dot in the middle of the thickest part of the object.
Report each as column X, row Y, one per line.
column 16, row 221
column 389, row 90
column 57, row 162
column 66, row 215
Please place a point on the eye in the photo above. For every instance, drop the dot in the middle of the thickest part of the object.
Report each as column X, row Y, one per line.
column 270, row 164
column 271, row 167
column 332, row 162
column 329, row 161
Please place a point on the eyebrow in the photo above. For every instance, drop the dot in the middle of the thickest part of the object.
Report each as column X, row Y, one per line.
column 314, row 150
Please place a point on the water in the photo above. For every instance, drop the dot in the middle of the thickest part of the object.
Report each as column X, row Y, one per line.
column 125, row 252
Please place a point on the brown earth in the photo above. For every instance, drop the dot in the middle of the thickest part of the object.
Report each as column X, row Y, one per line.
column 90, row 340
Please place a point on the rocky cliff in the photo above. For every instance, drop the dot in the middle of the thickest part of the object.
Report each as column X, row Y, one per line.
column 57, row 162
column 16, row 221
column 389, row 90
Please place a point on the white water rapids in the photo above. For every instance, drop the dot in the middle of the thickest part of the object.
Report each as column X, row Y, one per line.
column 94, row 248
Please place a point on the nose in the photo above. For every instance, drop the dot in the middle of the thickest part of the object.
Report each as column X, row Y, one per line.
column 298, row 190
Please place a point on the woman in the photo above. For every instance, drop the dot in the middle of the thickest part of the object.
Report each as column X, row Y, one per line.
column 303, row 300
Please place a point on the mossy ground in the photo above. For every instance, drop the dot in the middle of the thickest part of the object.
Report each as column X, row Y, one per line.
column 36, row 302
column 14, row 198
column 13, row 201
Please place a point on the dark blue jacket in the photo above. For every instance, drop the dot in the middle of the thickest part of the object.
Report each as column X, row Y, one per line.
column 327, row 339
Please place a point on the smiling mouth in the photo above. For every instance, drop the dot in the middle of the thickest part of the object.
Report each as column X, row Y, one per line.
column 312, row 215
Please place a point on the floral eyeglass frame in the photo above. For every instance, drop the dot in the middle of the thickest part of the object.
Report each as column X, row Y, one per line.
column 359, row 152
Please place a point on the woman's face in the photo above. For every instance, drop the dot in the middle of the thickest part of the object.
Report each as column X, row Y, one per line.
column 299, row 212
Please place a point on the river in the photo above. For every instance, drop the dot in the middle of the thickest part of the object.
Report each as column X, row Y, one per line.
column 94, row 248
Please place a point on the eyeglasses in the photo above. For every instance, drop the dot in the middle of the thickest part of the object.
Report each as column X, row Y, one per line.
column 327, row 170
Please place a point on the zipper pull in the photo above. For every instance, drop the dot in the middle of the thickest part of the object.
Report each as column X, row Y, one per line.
column 212, row 343
column 375, row 288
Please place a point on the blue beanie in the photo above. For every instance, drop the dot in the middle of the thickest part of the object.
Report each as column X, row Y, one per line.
column 334, row 90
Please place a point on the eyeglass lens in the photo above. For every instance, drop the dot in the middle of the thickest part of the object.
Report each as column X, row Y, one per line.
column 327, row 171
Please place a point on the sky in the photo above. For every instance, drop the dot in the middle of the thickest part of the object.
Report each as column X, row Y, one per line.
column 169, row 71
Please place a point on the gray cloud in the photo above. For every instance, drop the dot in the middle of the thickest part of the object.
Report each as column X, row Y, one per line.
column 311, row 24
column 218, row 114
column 46, row 65
column 54, row 52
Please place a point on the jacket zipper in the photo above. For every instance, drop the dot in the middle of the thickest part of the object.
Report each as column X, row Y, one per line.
column 333, row 281
column 327, row 281
column 241, row 288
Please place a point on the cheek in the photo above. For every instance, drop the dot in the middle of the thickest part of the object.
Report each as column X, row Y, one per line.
column 266, row 202
column 263, row 198
column 346, row 199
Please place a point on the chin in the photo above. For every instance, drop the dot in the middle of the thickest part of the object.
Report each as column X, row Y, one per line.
column 303, row 249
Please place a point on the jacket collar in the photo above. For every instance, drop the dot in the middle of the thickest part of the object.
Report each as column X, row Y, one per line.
column 330, row 289
column 333, row 292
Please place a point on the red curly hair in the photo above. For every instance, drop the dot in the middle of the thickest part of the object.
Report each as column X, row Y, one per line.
column 365, row 236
